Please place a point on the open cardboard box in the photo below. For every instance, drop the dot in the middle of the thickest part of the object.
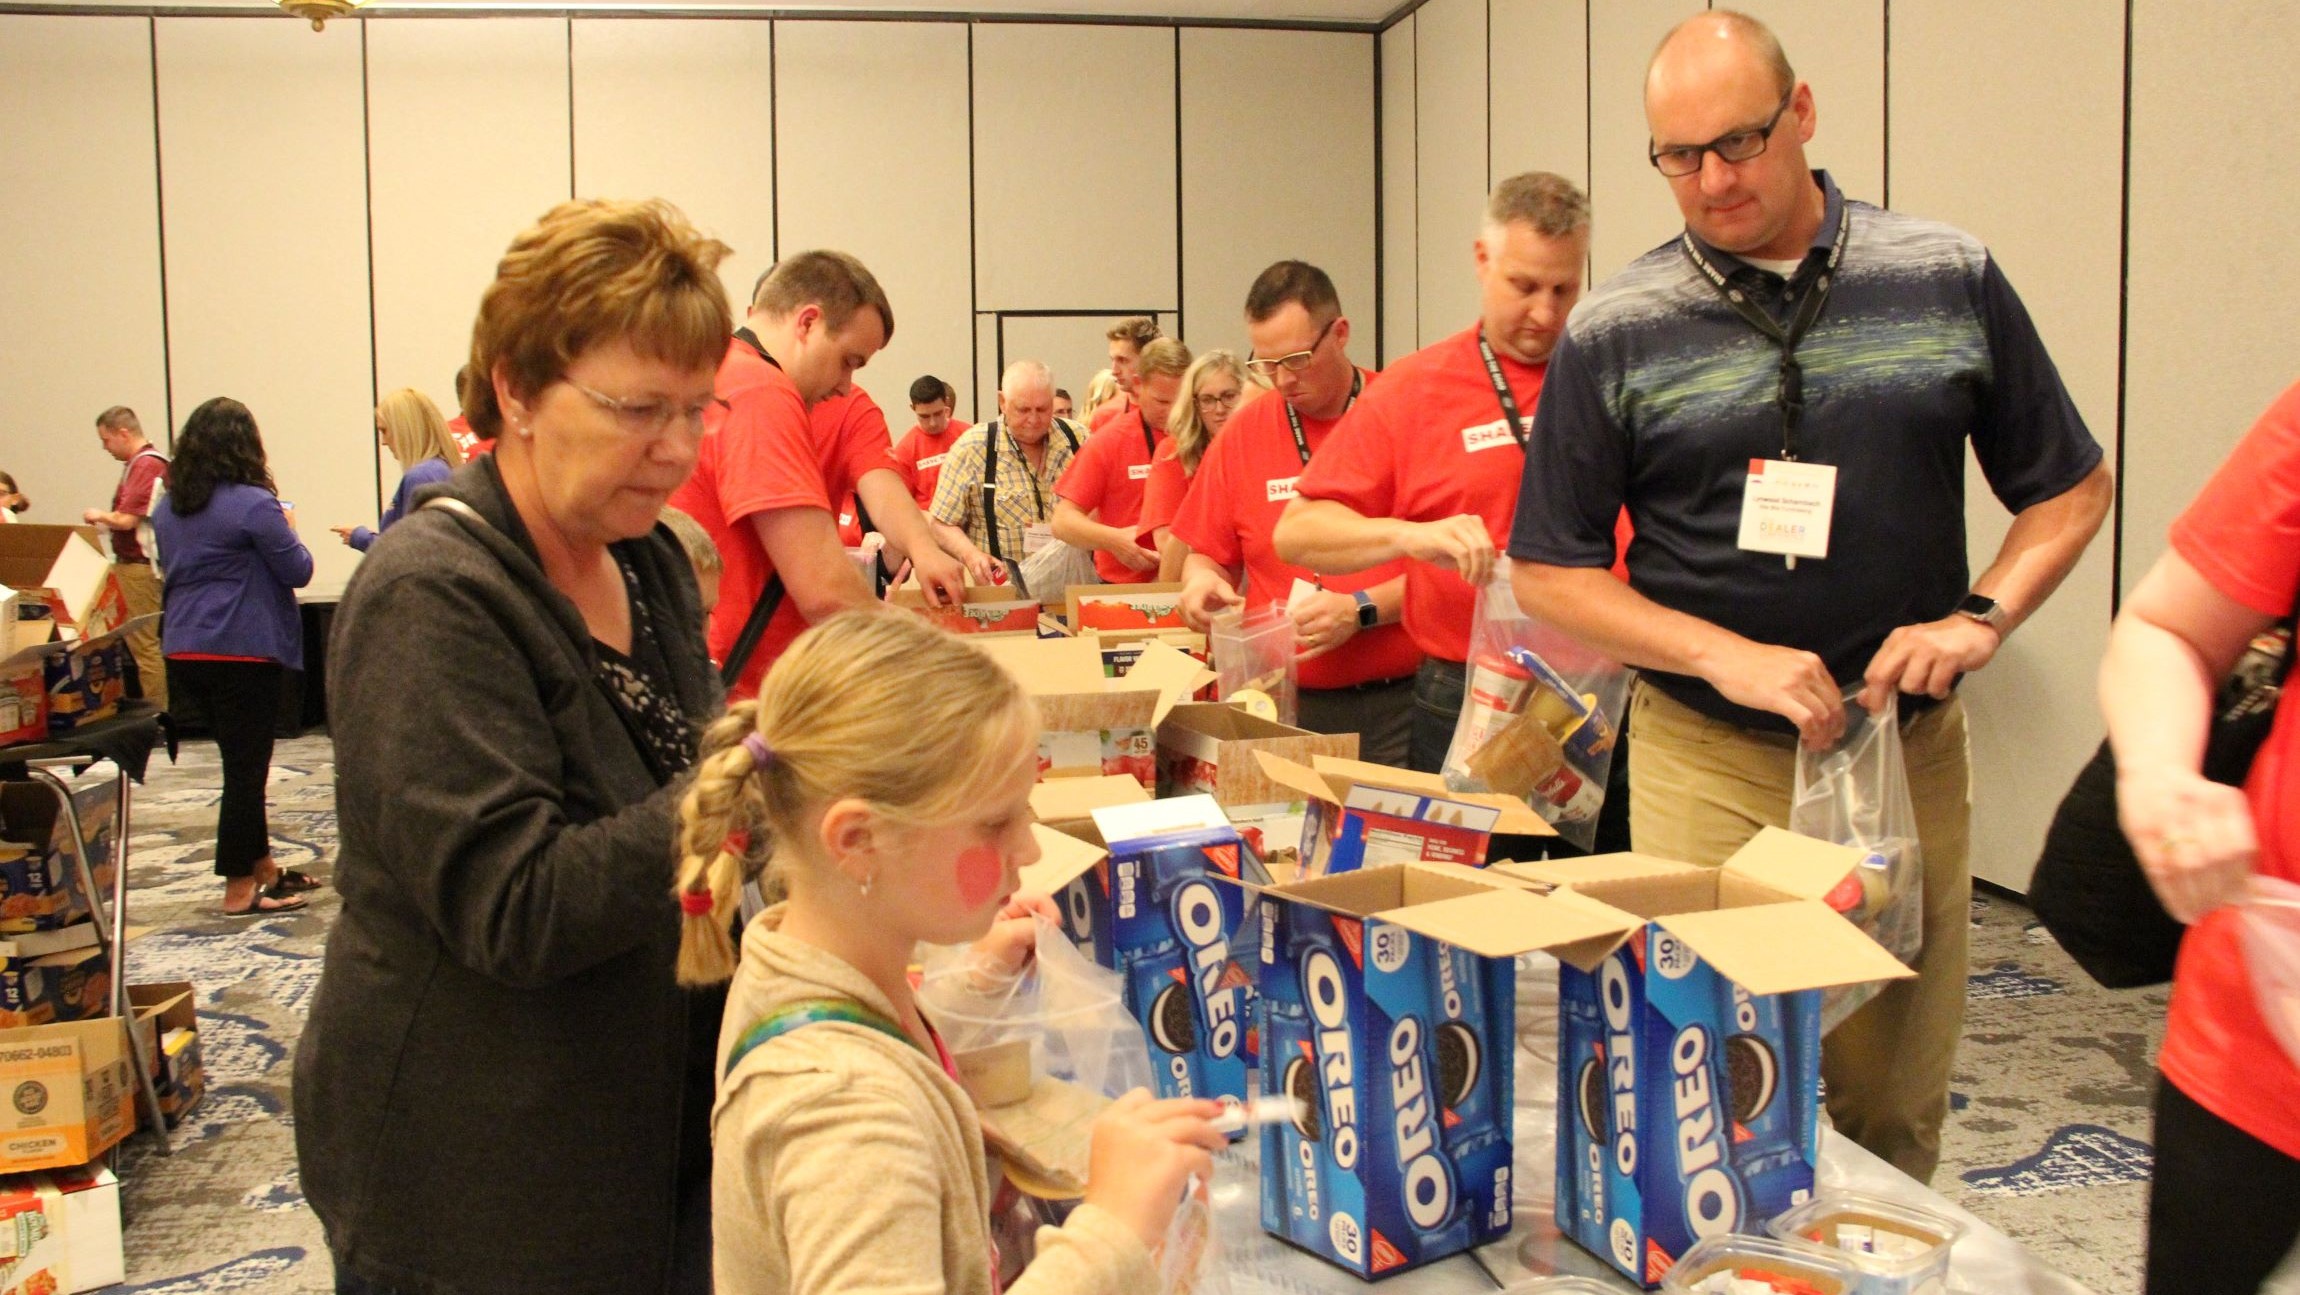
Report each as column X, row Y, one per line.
column 1208, row 748
column 60, row 1232
column 62, row 568
column 1123, row 609
column 1367, row 815
column 985, row 609
column 80, row 679
column 1092, row 724
column 1068, row 804
column 73, row 1093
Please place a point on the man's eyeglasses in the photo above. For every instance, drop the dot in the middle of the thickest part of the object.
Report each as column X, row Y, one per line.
column 1219, row 399
column 650, row 417
column 1296, row 362
column 1739, row 146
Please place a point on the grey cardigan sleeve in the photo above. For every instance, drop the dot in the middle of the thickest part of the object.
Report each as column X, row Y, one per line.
column 447, row 748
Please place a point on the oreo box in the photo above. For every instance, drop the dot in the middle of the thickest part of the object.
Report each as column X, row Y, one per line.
column 1388, row 1011
column 1369, row 815
column 1689, row 1052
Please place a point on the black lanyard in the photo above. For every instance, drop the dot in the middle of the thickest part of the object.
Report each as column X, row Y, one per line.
column 1792, row 388
column 751, row 339
column 1149, row 438
column 1294, row 420
column 1501, row 388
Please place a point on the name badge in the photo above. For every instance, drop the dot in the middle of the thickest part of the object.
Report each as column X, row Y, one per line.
column 1281, row 489
column 1035, row 536
column 1486, row 436
column 846, row 519
column 1138, row 472
column 931, row 461
column 1786, row 508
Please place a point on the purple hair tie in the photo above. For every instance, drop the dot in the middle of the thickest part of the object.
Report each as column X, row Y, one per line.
column 762, row 755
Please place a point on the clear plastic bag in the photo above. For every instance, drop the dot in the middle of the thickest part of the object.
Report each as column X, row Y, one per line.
column 1254, row 654
column 1540, row 714
column 1857, row 793
column 2270, row 922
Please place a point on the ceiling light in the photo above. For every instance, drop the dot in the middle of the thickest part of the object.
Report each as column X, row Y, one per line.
column 319, row 11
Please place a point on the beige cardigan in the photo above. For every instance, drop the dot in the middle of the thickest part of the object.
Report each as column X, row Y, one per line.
column 845, row 1160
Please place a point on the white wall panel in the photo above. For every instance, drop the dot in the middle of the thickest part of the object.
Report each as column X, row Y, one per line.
column 80, row 268
column 1452, row 158
column 1401, row 239
column 676, row 108
column 883, row 175
column 267, row 279
column 1071, row 345
column 1838, row 46
column 2044, row 195
column 2215, row 274
column 467, row 145
column 1631, row 211
column 1074, row 167
column 1540, row 88
column 1251, row 100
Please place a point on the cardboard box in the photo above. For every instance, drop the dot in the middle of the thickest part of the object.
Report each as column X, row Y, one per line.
column 69, row 986
column 1368, row 815
column 169, row 1025
column 986, row 609
column 1208, row 749
column 62, row 567
column 1068, row 804
column 1124, row 608
column 1389, row 1011
column 60, row 1232
column 40, row 889
column 70, row 1095
column 81, row 680
column 1121, row 651
column 1160, row 905
column 1689, row 1051
column 1091, row 724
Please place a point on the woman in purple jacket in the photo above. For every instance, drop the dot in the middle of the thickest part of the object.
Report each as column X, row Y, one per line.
column 410, row 427
column 231, row 564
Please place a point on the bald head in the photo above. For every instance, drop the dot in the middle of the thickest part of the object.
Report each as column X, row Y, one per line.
column 1722, row 34
column 1730, row 122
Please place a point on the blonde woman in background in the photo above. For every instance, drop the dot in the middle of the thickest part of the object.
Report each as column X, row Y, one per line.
column 1102, row 389
column 848, row 1155
column 1212, row 389
column 410, row 426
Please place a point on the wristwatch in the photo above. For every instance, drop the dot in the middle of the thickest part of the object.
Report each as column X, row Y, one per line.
column 1368, row 614
column 1988, row 611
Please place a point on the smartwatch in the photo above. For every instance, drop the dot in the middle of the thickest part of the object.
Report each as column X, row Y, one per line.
column 1368, row 614
column 1988, row 611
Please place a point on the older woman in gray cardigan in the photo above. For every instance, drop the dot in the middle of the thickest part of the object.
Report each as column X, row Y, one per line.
column 502, row 1089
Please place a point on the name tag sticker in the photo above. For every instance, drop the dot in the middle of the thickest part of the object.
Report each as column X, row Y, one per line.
column 1035, row 536
column 1281, row 489
column 1786, row 508
column 1486, row 436
column 931, row 461
column 1138, row 472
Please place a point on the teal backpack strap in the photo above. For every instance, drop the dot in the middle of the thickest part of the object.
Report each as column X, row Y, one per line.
column 805, row 1012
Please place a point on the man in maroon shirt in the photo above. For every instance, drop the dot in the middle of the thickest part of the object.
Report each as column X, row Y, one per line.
column 123, row 438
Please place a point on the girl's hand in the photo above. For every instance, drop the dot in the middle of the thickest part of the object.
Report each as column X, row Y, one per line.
column 1143, row 1157
column 2193, row 836
column 1012, row 940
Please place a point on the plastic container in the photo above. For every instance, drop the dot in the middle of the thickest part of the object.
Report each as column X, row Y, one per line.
column 1743, row 1265
column 1254, row 655
column 1898, row 1249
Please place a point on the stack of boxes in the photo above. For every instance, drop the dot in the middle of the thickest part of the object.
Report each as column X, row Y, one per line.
column 63, row 627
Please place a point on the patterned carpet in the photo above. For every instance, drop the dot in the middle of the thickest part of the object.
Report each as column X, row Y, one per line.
column 2048, row 1138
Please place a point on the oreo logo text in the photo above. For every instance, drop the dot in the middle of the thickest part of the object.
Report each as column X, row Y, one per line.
column 1712, row 1199
column 1620, row 1063
column 1329, row 1006
column 1428, row 1183
column 1198, row 920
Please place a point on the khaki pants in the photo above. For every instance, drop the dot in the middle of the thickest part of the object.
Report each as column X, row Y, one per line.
column 140, row 585
column 1700, row 788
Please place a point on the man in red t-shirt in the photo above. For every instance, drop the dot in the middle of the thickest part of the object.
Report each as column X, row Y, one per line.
column 759, row 487
column 1127, row 339
column 850, row 433
column 146, row 471
column 918, row 456
column 1355, row 660
column 1100, row 494
column 1426, row 467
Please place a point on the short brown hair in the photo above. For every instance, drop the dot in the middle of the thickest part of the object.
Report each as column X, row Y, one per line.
column 119, row 418
column 834, row 281
column 592, row 273
column 1164, row 357
column 1552, row 204
column 1138, row 329
column 1298, row 282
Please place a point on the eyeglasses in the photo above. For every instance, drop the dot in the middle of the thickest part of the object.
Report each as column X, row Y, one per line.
column 650, row 417
column 1296, row 362
column 1738, row 146
column 1219, row 400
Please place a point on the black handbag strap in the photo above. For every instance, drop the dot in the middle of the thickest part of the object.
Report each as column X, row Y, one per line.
column 754, row 629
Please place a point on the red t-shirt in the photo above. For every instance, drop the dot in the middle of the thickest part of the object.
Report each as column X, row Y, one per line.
column 1241, row 487
column 919, row 459
column 1106, row 480
column 1161, row 493
column 2243, row 536
column 758, row 456
column 138, row 480
column 467, row 440
column 851, row 434
column 1124, row 404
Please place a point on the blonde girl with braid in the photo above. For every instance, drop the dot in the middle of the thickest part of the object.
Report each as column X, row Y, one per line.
column 891, row 765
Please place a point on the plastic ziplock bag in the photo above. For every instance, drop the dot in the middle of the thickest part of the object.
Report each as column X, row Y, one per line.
column 2270, row 922
column 1857, row 793
column 1057, row 1040
column 1540, row 712
column 1048, row 574
column 1254, row 653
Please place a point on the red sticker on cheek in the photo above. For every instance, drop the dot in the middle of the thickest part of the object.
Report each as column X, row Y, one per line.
column 980, row 872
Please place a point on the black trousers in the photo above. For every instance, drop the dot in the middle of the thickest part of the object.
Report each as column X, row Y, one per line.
column 2224, row 1207
column 241, row 700
column 1438, row 693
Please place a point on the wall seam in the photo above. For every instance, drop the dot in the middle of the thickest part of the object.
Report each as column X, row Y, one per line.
column 1489, row 96
column 775, row 145
column 1885, row 199
column 1181, row 252
column 2123, row 335
column 1414, row 34
column 570, row 103
column 1381, row 282
column 973, row 261
column 160, row 207
column 367, row 184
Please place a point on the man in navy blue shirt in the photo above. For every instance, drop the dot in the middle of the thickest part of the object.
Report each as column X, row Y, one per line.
column 1782, row 397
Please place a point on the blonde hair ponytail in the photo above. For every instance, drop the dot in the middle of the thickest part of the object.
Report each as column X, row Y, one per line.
column 879, row 707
